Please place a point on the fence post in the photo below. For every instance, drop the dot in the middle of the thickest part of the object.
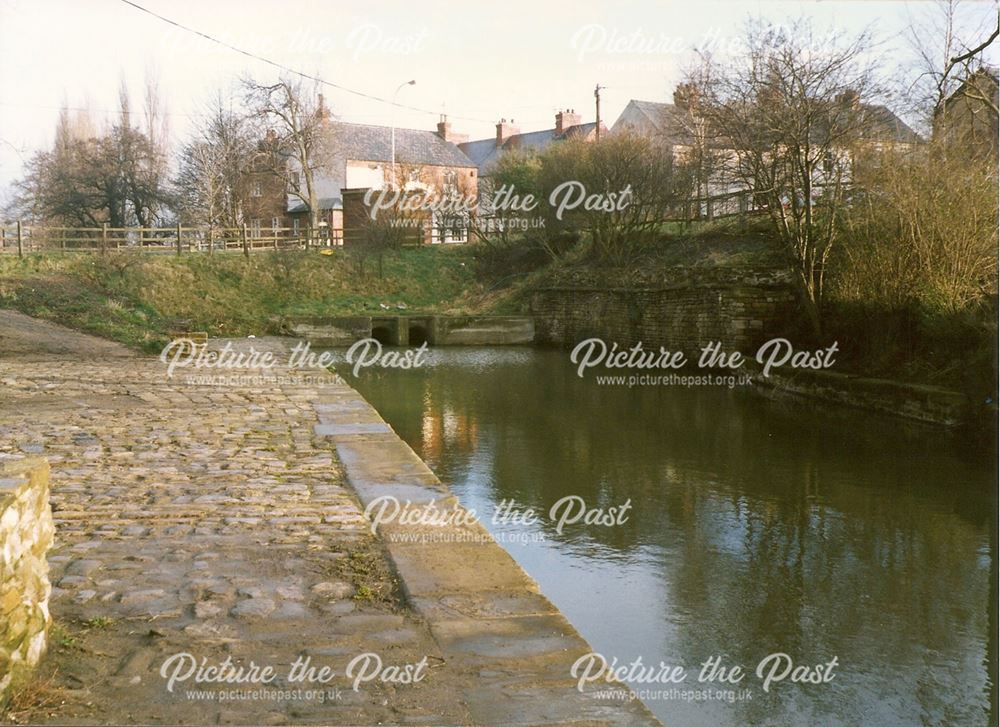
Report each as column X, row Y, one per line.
column 20, row 240
column 211, row 239
column 246, row 247
column 178, row 239
column 104, row 237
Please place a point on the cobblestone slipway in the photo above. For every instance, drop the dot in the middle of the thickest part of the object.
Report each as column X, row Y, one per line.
column 210, row 520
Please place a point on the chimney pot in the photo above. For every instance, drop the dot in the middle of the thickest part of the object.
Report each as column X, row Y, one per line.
column 566, row 120
column 444, row 131
column 505, row 130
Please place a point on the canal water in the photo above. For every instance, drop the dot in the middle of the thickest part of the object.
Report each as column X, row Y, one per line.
column 754, row 528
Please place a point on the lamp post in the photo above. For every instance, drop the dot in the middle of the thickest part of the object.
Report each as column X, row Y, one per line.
column 393, row 132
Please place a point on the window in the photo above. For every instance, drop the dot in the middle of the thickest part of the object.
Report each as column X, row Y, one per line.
column 295, row 226
column 257, row 190
column 293, row 182
column 255, row 227
column 450, row 184
column 275, row 224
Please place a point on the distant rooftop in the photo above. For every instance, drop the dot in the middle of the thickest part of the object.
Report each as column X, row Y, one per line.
column 368, row 143
column 485, row 152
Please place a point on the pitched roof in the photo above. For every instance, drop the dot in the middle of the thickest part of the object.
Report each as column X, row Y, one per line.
column 665, row 118
column 984, row 79
column 881, row 123
column 484, row 152
column 367, row 143
column 668, row 122
column 363, row 142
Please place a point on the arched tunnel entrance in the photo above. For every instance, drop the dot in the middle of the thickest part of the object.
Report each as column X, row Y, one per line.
column 383, row 335
column 418, row 334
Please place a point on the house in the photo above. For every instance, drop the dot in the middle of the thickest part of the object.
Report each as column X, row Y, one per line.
column 678, row 126
column 263, row 196
column 484, row 153
column 679, row 129
column 968, row 117
column 654, row 120
column 361, row 156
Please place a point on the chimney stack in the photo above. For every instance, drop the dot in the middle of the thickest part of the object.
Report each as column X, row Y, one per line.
column 505, row 130
column 269, row 142
column 850, row 99
column 566, row 120
column 686, row 96
column 445, row 132
column 322, row 112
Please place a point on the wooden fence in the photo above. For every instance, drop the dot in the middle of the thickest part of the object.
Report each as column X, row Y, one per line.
column 22, row 239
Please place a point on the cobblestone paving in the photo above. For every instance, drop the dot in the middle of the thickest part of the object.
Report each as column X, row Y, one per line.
column 209, row 520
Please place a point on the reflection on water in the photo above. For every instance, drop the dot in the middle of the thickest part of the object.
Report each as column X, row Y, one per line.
column 756, row 527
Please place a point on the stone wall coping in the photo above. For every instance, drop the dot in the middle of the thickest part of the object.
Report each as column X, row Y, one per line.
column 487, row 614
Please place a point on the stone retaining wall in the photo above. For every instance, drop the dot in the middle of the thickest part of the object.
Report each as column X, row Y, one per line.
column 26, row 532
column 930, row 404
column 739, row 308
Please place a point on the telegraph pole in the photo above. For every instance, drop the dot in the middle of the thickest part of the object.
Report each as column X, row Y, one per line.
column 597, row 103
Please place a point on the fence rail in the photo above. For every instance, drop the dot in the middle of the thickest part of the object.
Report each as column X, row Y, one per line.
column 22, row 239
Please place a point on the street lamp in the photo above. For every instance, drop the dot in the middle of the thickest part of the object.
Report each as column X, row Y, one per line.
column 393, row 132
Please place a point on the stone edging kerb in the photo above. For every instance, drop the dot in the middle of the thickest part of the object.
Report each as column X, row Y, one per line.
column 485, row 612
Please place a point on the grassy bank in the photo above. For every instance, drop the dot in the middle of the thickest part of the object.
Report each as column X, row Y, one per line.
column 136, row 299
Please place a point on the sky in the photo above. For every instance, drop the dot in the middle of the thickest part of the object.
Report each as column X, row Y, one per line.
column 475, row 61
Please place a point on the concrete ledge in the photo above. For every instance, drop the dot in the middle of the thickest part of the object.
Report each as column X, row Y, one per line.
column 485, row 330
column 329, row 331
column 487, row 615
column 406, row 329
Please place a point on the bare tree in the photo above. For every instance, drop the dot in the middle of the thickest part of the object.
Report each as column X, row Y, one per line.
column 89, row 178
column 696, row 159
column 213, row 182
column 297, row 121
column 948, row 39
column 790, row 110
